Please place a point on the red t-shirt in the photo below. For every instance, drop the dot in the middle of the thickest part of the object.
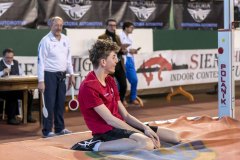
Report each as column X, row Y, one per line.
column 92, row 94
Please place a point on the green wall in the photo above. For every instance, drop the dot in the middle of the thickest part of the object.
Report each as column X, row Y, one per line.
column 24, row 42
column 184, row 39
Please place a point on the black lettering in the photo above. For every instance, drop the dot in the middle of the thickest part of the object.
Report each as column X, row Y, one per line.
column 207, row 60
column 87, row 65
column 237, row 72
column 201, row 61
column 28, row 68
column 223, row 101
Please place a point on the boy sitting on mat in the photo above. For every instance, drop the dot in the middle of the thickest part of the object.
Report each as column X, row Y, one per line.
column 113, row 128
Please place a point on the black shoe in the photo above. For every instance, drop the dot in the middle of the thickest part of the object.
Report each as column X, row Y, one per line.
column 86, row 145
column 13, row 122
column 31, row 120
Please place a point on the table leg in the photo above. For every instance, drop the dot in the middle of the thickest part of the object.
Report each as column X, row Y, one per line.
column 25, row 101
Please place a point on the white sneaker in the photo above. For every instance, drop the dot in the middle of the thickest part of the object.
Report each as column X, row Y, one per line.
column 64, row 131
column 50, row 134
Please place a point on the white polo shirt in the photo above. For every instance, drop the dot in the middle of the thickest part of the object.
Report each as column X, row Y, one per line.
column 54, row 55
column 126, row 40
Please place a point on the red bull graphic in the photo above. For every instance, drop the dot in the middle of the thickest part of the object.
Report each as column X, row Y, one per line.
column 158, row 64
column 161, row 65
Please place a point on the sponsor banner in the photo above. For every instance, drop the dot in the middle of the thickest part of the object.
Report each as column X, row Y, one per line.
column 177, row 67
column 198, row 14
column 75, row 13
column 165, row 68
column 194, row 14
column 144, row 13
column 93, row 13
column 180, row 67
column 157, row 69
column 18, row 14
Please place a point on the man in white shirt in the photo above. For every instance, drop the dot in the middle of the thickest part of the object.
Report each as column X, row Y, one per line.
column 54, row 61
column 131, row 73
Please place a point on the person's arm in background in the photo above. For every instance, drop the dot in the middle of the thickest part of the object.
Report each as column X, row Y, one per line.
column 128, row 42
column 42, row 51
column 123, row 47
column 125, row 44
column 2, row 73
column 133, row 51
column 70, row 68
column 5, row 72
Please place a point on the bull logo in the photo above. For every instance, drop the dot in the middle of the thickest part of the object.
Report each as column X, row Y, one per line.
column 4, row 7
column 76, row 10
column 199, row 10
column 161, row 63
column 142, row 9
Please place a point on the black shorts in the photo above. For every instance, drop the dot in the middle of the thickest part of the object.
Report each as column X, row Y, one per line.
column 117, row 133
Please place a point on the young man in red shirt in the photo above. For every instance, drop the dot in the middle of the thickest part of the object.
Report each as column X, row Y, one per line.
column 113, row 128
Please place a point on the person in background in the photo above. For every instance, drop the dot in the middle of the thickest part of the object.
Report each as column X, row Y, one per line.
column 54, row 61
column 113, row 128
column 110, row 34
column 131, row 73
column 10, row 66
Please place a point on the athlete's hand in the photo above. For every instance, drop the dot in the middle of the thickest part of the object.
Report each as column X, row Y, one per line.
column 151, row 134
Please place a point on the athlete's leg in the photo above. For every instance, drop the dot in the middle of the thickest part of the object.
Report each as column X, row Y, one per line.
column 135, row 141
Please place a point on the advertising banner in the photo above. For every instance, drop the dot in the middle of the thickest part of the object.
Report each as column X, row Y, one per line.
column 157, row 69
column 144, row 13
column 75, row 13
column 18, row 14
column 93, row 13
column 198, row 14
column 194, row 14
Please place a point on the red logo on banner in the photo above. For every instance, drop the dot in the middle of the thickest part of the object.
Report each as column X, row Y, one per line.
column 161, row 62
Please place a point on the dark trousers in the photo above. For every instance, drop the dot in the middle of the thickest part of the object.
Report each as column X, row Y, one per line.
column 12, row 103
column 11, row 98
column 54, row 95
column 121, row 79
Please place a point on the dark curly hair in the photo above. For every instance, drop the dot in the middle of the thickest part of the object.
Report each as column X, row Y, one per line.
column 101, row 50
